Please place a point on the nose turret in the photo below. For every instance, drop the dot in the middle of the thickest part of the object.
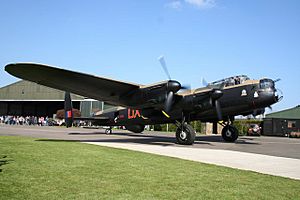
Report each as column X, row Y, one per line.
column 267, row 93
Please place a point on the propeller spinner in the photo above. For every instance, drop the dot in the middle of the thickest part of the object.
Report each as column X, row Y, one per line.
column 172, row 88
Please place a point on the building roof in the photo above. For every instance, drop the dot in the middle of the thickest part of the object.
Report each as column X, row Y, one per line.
column 29, row 91
column 292, row 113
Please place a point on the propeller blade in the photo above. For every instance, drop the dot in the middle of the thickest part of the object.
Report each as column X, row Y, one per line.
column 279, row 95
column 185, row 87
column 204, row 82
column 164, row 66
column 218, row 110
column 257, row 112
column 279, row 79
column 169, row 101
column 270, row 107
column 214, row 96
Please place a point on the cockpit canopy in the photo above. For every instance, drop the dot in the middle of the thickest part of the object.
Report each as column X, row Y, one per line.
column 234, row 80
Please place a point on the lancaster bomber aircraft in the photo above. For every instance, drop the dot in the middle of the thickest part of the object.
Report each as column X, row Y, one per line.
column 159, row 103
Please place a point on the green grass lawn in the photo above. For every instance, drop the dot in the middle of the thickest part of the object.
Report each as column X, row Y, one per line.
column 37, row 169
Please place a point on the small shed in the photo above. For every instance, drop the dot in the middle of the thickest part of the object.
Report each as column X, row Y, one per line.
column 282, row 123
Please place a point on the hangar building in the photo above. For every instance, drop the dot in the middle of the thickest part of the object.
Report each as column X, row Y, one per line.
column 24, row 98
column 282, row 123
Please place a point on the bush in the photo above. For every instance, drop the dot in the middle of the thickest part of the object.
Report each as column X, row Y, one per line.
column 157, row 127
column 197, row 125
column 243, row 125
column 172, row 127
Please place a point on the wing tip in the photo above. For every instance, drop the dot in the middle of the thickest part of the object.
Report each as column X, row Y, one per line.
column 9, row 67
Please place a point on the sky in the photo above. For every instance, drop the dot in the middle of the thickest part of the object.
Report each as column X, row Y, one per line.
column 210, row 39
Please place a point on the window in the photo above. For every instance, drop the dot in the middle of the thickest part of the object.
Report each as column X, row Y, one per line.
column 266, row 83
column 291, row 124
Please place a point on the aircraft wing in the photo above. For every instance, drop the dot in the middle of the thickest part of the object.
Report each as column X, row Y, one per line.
column 99, row 88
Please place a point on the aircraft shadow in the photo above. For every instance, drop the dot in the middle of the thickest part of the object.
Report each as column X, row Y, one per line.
column 219, row 139
column 92, row 133
column 168, row 140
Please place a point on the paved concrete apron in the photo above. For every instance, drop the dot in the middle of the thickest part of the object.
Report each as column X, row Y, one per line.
column 272, row 165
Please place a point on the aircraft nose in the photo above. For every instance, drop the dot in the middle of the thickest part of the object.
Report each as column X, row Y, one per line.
column 267, row 94
column 272, row 96
column 265, row 97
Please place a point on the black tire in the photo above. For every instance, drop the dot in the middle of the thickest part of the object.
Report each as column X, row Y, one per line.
column 108, row 131
column 187, row 137
column 230, row 133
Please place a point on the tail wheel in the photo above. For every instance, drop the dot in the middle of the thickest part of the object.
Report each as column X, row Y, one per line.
column 185, row 136
column 230, row 133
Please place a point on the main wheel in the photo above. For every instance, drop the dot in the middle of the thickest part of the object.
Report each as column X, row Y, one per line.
column 108, row 131
column 230, row 133
column 185, row 136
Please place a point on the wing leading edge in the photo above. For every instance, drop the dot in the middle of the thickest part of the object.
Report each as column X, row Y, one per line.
column 102, row 89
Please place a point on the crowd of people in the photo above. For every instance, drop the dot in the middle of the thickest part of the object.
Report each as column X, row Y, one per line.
column 28, row 120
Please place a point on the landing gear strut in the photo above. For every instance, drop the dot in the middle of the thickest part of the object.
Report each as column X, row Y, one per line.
column 229, row 132
column 185, row 134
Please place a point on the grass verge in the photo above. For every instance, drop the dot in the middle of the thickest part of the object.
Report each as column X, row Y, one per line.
column 41, row 169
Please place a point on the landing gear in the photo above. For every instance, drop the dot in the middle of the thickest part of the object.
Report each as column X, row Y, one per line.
column 108, row 131
column 230, row 133
column 185, row 134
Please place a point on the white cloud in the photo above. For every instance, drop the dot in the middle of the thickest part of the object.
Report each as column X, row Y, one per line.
column 175, row 5
column 202, row 3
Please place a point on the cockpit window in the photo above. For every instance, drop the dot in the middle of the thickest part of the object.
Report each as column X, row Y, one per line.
column 266, row 83
column 235, row 80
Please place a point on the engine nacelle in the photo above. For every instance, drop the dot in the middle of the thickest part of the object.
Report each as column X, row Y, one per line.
column 152, row 95
column 135, row 128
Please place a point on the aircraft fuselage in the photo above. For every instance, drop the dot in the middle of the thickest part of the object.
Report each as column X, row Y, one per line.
column 242, row 99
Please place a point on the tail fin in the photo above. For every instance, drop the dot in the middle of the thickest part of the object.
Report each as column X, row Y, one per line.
column 68, row 110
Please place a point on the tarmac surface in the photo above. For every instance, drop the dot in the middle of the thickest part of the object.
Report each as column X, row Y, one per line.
column 278, row 156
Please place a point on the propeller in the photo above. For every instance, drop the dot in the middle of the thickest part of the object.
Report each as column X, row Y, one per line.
column 214, row 97
column 270, row 108
column 218, row 110
column 279, row 94
column 164, row 66
column 204, row 82
column 279, row 79
column 261, row 111
column 175, row 86
column 169, row 101
column 172, row 86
